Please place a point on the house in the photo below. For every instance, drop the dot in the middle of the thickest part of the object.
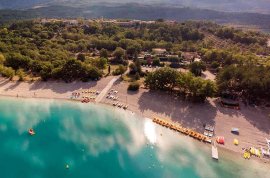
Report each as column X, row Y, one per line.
column 190, row 56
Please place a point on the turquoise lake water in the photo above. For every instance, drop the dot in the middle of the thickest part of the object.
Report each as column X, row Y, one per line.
column 99, row 141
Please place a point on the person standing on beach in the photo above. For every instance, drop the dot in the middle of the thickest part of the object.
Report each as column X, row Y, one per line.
column 109, row 69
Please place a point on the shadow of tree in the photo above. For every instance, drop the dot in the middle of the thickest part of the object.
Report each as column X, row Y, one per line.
column 13, row 86
column 258, row 117
column 4, row 83
column 62, row 87
column 192, row 115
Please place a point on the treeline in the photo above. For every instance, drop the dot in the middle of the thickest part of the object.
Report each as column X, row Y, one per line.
column 244, row 75
column 236, row 35
column 50, row 50
column 250, row 81
column 241, row 37
column 186, row 84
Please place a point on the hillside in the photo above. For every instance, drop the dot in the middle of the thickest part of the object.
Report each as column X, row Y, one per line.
column 258, row 6
column 144, row 12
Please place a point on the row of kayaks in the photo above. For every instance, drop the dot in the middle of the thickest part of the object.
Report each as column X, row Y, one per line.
column 178, row 128
column 251, row 151
column 246, row 155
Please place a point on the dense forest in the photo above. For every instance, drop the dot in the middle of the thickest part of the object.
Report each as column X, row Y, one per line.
column 82, row 50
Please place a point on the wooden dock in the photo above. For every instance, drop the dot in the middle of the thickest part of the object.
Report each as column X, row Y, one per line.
column 178, row 128
column 214, row 152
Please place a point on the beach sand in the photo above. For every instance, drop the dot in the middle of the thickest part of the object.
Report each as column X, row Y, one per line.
column 254, row 123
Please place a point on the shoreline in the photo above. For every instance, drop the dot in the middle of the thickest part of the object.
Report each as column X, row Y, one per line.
column 223, row 149
column 253, row 122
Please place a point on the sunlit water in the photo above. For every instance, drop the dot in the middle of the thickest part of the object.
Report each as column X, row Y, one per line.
column 99, row 141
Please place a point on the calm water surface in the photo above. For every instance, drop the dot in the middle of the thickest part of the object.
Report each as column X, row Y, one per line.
column 99, row 141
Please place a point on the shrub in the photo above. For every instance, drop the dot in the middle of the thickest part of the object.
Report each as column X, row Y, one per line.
column 215, row 65
column 156, row 62
column 175, row 65
column 137, row 76
column 120, row 70
column 2, row 59
column 7, row 72
column 81, row 57
column 134, row 86
column 197, row 67
column 20, row 73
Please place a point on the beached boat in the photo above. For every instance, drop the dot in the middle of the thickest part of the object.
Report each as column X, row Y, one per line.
column 255, row 151
column 265, row 153
column 220, row 140
column 214, row 152
column 246, row 155
column 177, row 127
column 235, row 131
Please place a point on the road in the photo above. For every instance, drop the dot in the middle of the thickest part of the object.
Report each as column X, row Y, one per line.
column 109, row 86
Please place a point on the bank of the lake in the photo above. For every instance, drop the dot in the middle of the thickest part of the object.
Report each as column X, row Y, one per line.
column 100, row 141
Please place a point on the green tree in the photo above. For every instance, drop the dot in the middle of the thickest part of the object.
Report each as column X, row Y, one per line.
column 7, row 72
column 21, row 74
column 46, row 71
column 120, row 70
column 104, row 53
column 118, row 54
column 90, row 72
column 134, row 49
column 197, row 88
column 134, row 86
column 156, row 62
column 100, row 63
column 71, row 70
column 162, row 79
column 2, row 59
column 197, row 67
column 16, row 61
column 81, row 57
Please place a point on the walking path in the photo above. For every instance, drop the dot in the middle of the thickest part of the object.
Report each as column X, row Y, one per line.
column 106, row 89
column 109, row 86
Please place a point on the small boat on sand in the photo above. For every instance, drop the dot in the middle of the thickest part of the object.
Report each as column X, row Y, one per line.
column 235, row 131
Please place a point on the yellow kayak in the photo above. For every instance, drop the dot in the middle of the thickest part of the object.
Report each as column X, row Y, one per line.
column 246, row 155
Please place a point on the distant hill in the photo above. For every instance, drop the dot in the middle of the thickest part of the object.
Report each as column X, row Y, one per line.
column 259, row 6
column 135, row 11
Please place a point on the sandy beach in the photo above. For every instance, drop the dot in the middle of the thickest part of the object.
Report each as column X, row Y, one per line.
column 253, row 123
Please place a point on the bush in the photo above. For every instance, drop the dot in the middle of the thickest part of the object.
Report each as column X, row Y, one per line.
column 81, row 57
column 137, row 76
column 21, row 74
column 156, row 62
column 197, row 67
column 7, row 72
column 134, row 86
column 175, row 65
column 174, row 59
column 215, row 65
column 100, row 63
column 2, row 59
column 120, row 70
